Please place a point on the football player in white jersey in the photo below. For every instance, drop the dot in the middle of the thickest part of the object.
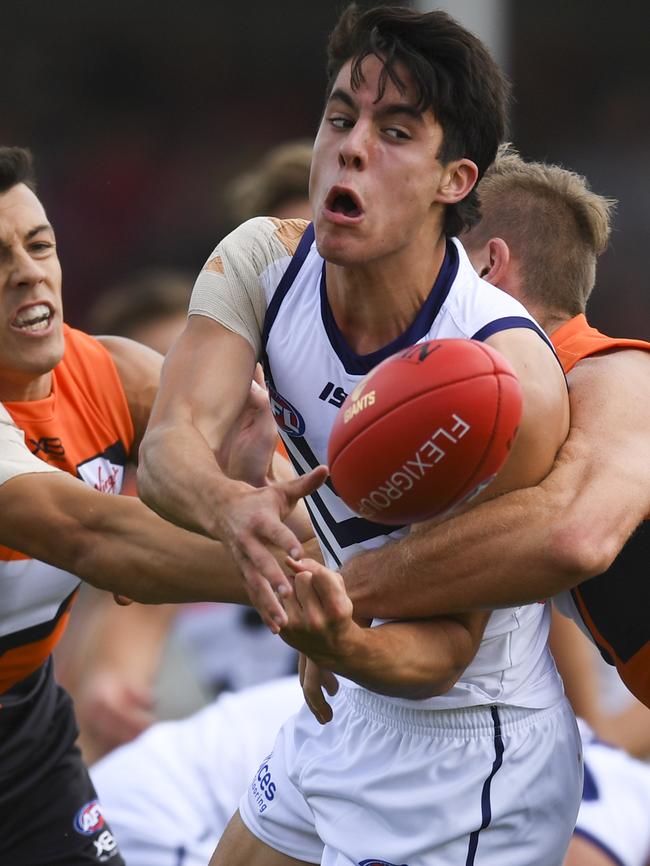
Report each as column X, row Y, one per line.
column 477, row 749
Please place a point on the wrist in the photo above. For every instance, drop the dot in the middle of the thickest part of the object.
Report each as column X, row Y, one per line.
column 348, row 651
column 224, row 492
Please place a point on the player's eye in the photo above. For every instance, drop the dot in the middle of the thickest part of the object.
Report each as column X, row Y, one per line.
column 340, row 122
column 397, row 133
column 41, row 246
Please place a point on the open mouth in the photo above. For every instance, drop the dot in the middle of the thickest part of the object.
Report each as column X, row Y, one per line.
column 344, row 202
column 36, row 317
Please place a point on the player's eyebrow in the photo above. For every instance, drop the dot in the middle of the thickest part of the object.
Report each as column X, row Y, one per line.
column 401, row 108
column 37, row 229
column 389, row 110
column 43, row 227
column 342, row 96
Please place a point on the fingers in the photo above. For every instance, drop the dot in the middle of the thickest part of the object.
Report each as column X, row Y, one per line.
column 313, row 692
column 283, row 537
column 320, row 592
column 303, row 485
column 305, row 564
column 258, row 377
column 264, row 599
column 122, row 600
column 329, row 682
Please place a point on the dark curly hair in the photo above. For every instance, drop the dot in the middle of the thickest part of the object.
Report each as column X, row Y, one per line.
column 453, row 74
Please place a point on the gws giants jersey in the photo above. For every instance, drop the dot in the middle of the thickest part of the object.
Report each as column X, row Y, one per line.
column 611, row 608
column 310, row 369
column 84, row 427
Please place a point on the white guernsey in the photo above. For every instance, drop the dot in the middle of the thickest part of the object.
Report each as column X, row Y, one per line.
column 272, row 269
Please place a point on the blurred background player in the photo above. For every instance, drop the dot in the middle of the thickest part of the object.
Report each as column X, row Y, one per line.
column 612, row 827
column 278, row 185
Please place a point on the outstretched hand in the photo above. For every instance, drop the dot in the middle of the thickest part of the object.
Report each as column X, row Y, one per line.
column 252, row 521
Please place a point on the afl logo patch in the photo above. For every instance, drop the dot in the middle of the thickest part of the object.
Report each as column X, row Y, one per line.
column 89, row 819
column 286, row 417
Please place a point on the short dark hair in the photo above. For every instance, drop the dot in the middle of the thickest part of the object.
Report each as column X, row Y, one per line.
column 453, row 73
column 16, row 166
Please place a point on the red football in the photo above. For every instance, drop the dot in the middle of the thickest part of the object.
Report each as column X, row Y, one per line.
column 425, row 430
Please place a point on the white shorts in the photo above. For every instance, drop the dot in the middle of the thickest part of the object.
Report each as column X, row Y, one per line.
column 385, row 783
column 615, row 810
column 170, row 793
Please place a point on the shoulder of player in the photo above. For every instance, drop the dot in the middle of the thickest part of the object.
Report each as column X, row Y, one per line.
column 132, row 359
column 261, row 241
column 139, row 369
column 617, row 367
column 612, row 389
column 610, row 417
column 531, row 356
column 545, row 420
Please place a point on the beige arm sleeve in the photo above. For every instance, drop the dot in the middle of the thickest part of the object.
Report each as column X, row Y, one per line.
column 231, row 287
column 15, row 457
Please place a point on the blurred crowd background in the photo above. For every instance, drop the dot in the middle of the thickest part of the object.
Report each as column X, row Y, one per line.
column 140, row 113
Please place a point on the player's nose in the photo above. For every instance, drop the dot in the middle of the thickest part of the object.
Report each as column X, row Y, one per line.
column 354, row 149
column 25, row 271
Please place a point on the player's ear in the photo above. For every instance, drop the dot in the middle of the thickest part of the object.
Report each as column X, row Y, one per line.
column 458, row 180
column 496, row 259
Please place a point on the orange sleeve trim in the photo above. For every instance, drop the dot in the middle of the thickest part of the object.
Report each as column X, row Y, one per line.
column 576, row 340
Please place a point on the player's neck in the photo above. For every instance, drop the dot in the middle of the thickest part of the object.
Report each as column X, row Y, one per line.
column 548, row 320
column 375, row 302
column 552, row 323
column 16, row 386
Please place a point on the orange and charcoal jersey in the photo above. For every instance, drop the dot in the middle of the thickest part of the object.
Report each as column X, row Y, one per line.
column 614, row 606
column 84, row 427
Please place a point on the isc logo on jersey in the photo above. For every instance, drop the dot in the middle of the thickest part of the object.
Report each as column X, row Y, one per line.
column 286, row 417
column 89, row 819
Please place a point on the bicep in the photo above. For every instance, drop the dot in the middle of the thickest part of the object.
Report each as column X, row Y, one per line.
column 205, row 380
column 545, row 417
column 606, row 459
